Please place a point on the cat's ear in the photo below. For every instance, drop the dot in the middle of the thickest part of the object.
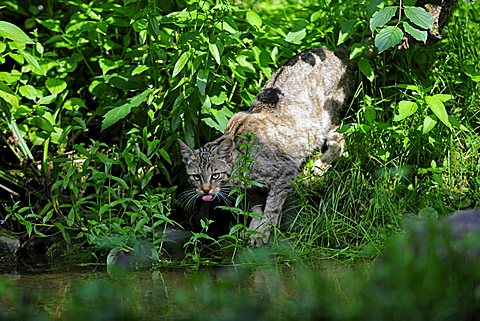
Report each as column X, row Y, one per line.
column 187, row 153
column 224, row 150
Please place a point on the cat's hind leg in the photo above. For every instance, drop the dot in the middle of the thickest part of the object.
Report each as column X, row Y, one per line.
column 335, row 144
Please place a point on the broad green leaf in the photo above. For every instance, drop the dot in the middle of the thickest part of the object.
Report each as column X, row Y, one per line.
column 420, row 35
column 405, row 109
column 43, row 123
column 12, row 32
column 219, row 99
column 381, row 17
column 254, row 19
column 8, row 96
column 366, row 69
column 216, row 49
column 47, row 100
column 472, row 73
column 428, row 124
column 139, row 69
column 296, row 36
column 55, row 86
column 370, row 114
column 419, row 16
column 106, row 65
column 443, row 97
column 117, row 113
column 180, row 64
column 30, row 92
column 31, row 61
column 436, row 105
column 229, row 25
column 202, row 79
column 388, row 37
column 346, row 30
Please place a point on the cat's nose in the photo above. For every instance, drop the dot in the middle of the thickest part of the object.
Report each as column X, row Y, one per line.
column 206, row 188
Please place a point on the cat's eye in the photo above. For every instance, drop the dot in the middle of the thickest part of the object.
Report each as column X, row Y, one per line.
column 196, row 178
column 216, row 175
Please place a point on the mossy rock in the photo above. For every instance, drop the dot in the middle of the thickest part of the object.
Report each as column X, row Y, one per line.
column 9, row 246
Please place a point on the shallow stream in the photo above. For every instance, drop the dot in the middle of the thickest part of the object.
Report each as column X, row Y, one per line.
column 170, row 294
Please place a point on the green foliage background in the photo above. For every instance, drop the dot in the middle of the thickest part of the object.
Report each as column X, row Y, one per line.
column 93, row 104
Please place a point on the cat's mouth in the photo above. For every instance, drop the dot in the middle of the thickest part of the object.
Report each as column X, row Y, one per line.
column 207, row 198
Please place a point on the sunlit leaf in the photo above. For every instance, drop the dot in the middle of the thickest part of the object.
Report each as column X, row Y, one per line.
column 254, row 19
column 437, row 107
column 202, row 79
column 428, row 124
column 12, row 32
column 120, row 112
column 381, row 17
column 388, row 37
column 366, row 68
column 216, row 49
column 139, row 69
column 180, row 64
column 346, row 30
column 55, row 86
column 419, row 16
column 296, row 36
column 420, row 35
column 405, row 109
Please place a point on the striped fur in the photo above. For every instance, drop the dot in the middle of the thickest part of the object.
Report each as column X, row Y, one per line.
column 296, row 113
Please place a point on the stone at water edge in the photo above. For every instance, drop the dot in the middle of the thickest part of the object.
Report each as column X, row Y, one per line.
column 8, row 254
column 207, row 198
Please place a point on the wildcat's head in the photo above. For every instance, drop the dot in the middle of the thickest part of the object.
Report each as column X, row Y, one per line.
column 208, row 169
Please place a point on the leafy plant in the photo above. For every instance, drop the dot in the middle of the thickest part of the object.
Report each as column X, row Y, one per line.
column 391, row 35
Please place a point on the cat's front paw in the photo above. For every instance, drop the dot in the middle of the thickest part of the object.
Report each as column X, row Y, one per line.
column 259, row 231
column 319, row 168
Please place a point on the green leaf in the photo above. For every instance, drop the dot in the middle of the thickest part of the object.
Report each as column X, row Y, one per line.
column 405, row 109
column 46, row 100
column 366, row 68
column 388, row 37
column 12, row 32
column 296, row 36
column 31, row 61
column 216, row 49
column 436, row 105
column 106, row 65
column 117, row 113
column 472, row 73
column 165, row 155
column 419, row 16
column 346, row 31
column 202, row 79
column 370, row 114
column 254, row 19
column 420, row 35
column 29, row 92
column 139, row 69
column 55, row 86
column 428, row 124
column 443, row 97
column 180, row 64
column 381, row 17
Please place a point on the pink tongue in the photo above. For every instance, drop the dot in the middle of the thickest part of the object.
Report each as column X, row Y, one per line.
column 207, row 198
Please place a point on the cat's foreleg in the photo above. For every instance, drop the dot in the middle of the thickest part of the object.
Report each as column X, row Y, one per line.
column 261, row 228
column 335, row 145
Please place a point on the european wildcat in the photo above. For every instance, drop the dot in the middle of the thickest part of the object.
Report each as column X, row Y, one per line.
column 296, row 113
